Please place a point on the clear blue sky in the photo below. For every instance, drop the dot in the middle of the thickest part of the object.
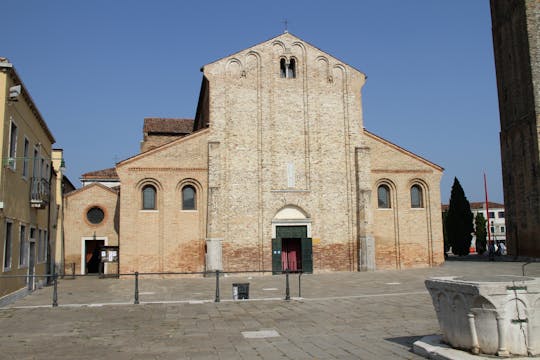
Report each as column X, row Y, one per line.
column 97, row 68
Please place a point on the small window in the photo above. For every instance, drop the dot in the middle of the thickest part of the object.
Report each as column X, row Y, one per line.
column 149, row 197
column 417, row 199
column 26, row 159
column 23, row 247
column 35, row 170
column 45, row 246
column 383, row 195
column 291, row 69
column 95, row 215
column 188, row 198
column 287, row 69
column 502, row 229
column 501, row 214
column 12, row 146
column 7, row 245
column 492, row 215
column 41, row 245
column 492, row 228
column 282, row 68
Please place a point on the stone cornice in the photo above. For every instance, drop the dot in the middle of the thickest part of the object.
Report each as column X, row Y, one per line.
column 401, row 171
column 140, row 169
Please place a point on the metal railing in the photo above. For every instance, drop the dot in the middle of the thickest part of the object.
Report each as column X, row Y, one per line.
column 39, row 193
column 217, row 273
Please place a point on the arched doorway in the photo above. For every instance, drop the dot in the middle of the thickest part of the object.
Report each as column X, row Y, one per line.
column 291, row 241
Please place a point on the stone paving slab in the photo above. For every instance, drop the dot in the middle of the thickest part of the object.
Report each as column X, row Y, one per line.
column 339, row 316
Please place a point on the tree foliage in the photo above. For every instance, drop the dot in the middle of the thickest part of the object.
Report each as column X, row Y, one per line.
column 459, row 221
column 481, row 233
column 445, row 235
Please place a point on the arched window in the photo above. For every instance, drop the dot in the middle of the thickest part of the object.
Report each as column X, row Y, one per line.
column 287, row 69
column 149, row 197
column 383, row 196
column 417, row 198
column 188, row 198
column 283, row 68
column 291, row 72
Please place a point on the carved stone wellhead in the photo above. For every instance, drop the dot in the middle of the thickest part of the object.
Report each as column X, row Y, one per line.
column 497, row 315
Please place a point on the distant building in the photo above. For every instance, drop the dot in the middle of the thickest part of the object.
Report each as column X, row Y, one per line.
column 29, row 175
column 495, row 220
column 516, row 42
column 107, row 177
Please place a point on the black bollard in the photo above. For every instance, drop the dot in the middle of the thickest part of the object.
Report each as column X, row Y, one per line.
column 300, row 284
column 55, row 290
column 217, row 287
column 287, row 288
column 136, row 288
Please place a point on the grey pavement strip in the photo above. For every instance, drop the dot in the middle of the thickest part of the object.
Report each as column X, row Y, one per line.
column 260, row 334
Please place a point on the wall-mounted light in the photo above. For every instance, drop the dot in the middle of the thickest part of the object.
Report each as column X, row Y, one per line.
column 14, row 92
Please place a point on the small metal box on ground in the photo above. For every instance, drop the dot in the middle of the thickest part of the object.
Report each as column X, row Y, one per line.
column 240, row 291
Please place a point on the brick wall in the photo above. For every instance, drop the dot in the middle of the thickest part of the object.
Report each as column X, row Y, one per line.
column 167, row 238
column 516, row 41
column 77, row 228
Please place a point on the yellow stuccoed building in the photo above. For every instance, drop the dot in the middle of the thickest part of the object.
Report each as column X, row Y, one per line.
column 28, row 191
column 275, row 172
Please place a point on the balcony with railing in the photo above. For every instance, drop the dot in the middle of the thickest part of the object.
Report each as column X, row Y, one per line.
column 39, row 194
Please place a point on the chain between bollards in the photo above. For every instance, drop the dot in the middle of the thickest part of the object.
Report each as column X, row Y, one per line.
column 287, row 288
column 217, row 287
column 136, row 288
column 55, row 290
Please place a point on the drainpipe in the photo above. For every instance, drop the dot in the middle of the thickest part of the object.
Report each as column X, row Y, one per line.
column 49, row 257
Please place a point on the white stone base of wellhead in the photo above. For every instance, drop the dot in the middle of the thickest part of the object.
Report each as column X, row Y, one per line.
column 431, row 347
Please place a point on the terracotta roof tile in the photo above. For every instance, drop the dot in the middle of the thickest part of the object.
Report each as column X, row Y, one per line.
column 109, row 173
column 168, row 126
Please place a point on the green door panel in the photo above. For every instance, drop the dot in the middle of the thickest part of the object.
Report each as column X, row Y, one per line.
column 307, row 255
column 276, row 256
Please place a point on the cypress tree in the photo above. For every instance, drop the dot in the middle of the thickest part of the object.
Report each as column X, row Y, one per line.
column 447, row 245
column 481, row 233
column 459, row 221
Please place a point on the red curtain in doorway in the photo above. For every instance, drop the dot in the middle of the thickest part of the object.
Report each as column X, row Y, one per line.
column 290, row 253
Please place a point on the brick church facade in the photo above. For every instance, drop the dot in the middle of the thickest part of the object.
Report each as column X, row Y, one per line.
column 276, row 171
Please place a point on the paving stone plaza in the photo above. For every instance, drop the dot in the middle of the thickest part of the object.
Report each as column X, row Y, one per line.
column 338, row 316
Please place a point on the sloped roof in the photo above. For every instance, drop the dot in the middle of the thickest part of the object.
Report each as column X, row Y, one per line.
column 402, row 150
column 114, row 191
column 109, row 174
column 188, row 137
column 8, row 67
column 167, row 126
